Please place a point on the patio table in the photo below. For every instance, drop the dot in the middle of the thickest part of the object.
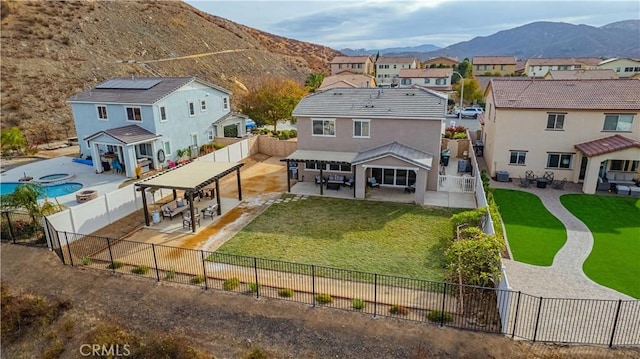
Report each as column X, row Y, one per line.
column 541, row 182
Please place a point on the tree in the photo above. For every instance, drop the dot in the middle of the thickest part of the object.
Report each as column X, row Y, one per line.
column 314, row 81
column 25, row 196
column 272, row 100
column 464, row 68
column 475, row 257
column 13, row 140
column 472, row 91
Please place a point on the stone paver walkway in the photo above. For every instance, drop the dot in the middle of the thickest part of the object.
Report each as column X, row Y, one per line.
column 564, row 278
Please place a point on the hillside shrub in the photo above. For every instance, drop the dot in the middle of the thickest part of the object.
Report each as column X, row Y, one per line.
column 115, row 265
column 231, row 283
column 324, row 298
column 141, row 269
column 437, row 316
column 397, row 309
column 199, row 279
column 285, row 292
column 357, row 304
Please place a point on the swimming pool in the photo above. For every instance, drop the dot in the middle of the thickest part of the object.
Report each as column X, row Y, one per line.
column 57, row 177
column 55, row 190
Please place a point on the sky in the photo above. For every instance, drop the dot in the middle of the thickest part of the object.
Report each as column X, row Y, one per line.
column 376, row 24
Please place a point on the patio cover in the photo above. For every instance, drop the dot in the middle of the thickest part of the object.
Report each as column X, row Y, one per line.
column 403, row 152
column 606, row 145
column 321, row 156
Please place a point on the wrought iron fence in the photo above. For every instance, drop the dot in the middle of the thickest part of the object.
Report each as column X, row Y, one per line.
column 22, row 228
column 581, row 321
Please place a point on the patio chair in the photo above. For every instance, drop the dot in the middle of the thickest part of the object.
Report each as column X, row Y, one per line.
column 548, row 176
column 530, row 176
column 186, row 221
column 372, row 182
column 559, row 184
column 210, row 211
column 524, row 182
column 319, row 180
column 348, row 181
column 117, row 168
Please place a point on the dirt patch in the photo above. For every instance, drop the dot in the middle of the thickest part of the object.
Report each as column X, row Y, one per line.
column 229, row 325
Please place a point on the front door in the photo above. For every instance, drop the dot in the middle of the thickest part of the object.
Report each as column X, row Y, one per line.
column 583, row 167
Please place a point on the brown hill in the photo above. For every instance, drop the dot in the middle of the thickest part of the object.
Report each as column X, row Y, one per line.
column 53, row 49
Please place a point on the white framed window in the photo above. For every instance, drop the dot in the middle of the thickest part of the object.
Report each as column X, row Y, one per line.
column 166, row 144
column 334, row 167
column 225, row 103
column 163, row 114
column 441, row 81
column 311, row 166
column 324, row 127
column 559, row 160
column 361, row 128
column 555, row 121
column 405, row 81
column 102, row 112
column 427, row 81
column 517, row 157
column 144, row 149
column 210, row 134
column 203, row 105
column 192, row 109
column 134, row 114
column 617, row 122
column 194, row 138
column 624, row 165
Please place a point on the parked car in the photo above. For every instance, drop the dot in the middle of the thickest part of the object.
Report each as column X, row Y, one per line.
column 470, row 112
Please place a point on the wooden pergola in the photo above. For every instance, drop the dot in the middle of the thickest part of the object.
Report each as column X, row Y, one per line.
column 321, row 159
column 191, row 178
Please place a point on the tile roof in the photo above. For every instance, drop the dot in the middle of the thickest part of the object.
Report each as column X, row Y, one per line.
column 231, row 114
column 395, row 60
column 346, row 80
column 567, row 94
column 127, row 134
column 398, row 150
column 425, row 73
column 595, row 74
column 607, row 145
column 441, row 60
column 552, row 61
column 616, row 59
column 591, row 61
column 163, row 88
column 413, row 103
column 484, row 80
column 350, row 59
column 494, row 60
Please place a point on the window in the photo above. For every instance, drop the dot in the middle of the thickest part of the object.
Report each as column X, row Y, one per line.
column 617, row 69
column 427, row 81
column 324, row 127
column 102, row 112
column 617, row 122
column 517, row 157
column 477, row 67
column 555, row 121
column 493, row 67
column 194, row 139
column 339, row 66
column 203, row 105
column 339, row 167
column 405, row 81
column 144, row 149
column 134, row 114
column 225, row 103
column 361, row 128
column 167, row 148
column 441, row 81
column 486, row 67
column 502, row 67
column 559, row 160
column 563, row 68
column 210, row 134
column 628, row 69
column 192, row 109
column 624, row 165
column 636, row 69
column 311, row 166
column 395, row 66
column 163, row 114
column 379, row 66
column 359, row 66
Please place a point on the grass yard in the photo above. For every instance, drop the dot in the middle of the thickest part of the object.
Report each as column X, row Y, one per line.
column 615, row 224
column 534, row 234
column 381, row 237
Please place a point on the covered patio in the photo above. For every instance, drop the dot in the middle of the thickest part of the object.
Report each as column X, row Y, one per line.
column 192, row 178
column 319, row 160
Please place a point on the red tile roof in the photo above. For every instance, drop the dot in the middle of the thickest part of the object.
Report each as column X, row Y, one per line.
column 607, row 145
column 566, row 94
column 494, row 60
column 350, row 59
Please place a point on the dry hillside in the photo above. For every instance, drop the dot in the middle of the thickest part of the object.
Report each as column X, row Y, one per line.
column 53, row 49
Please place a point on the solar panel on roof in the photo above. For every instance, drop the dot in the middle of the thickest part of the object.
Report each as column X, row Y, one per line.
column 127, row 84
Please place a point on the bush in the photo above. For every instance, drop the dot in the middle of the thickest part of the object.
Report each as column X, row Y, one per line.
column 253, row 287
column 357, row 304
column 324, row 298
column 170, row 275
column 231, row 283
column 115, row 265
column 197, row 279
column 468, row 218
column 141, row 269
column 86, row 261
column 437, row 315
column 397, row 309
column 257, row 353
column 285, row 292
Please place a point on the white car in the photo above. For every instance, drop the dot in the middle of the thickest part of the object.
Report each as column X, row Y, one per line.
column 470, row 112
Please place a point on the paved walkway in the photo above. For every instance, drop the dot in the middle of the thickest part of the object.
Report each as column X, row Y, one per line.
column 564, row 278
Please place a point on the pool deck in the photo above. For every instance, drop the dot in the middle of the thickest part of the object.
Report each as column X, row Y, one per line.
column 103, row 183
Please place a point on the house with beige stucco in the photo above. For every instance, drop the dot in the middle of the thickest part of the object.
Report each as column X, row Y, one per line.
column 347, row 79
column 352, row 64
column 586, row 131
column 624, row 67
column 438, row 79
column 492, row 65
column 388, row 69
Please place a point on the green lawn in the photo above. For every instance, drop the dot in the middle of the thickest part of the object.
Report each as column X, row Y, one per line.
column 534, row 234
column 381, row 237
column 615, row 224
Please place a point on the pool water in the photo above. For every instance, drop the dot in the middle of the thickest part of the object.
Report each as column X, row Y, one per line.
column 50, row 191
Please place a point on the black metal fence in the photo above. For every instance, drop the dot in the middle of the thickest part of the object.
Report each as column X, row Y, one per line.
column 603, row 322
column 22, row 228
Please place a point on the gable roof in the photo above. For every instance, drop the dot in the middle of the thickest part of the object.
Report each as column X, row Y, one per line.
column 395, row 60
column 126, row 134
column 607, row 145
column 494, row 60
column 616, row 59
column 350, row 59
column 403, row 152
column 566, row 94
column 441, row 60
column 230, row 115
column 346, row 80
column 582, row 74
column 552, row 61
column 426, row 73
column 410, row 103
column 126, row 90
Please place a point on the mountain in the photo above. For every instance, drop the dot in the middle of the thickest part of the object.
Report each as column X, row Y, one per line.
column 390, row 50
column 552, row 39
column 53, row 49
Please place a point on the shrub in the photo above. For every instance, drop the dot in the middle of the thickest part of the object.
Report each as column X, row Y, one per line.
column 469, row 218
column 199, row 279
column 141, row 269
column 397, row 309
column 257, row 353
column 357, row 304
column 285, row 292
column 293, row 133
column 218, row 146
column 324, row 298
column 115, row 265
column 170, row 275
column 253, row 287
column 86, row 261
column 231, row 283
column 437, row 315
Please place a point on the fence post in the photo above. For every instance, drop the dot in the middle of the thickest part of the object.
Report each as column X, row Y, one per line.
column 535, row 331
column 375, row 294
column 60, row 247
column 13, row 236
column 204, row 269
column 155, row 260
column 68, row 248
column 444, row 298
column 615, row 323
column 255, row 271
column 113, row 265
column 515, row 319
column 313, row 284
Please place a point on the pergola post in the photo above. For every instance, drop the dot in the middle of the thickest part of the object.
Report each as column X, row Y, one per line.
column 193, row 215
column 144, row 205
column 353, row 171
column 239, row 186
column 321, row 164
column 175, row 194
column 288, row 178
column 218, row 197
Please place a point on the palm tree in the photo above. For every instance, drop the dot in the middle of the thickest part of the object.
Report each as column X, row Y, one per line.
column 25, row 196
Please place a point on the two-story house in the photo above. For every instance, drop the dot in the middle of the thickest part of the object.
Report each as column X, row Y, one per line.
column 440, row 61
column 591, row 74
column 388, row 69
column 503, row 65
column 347, row 79
column 624, row 67
column 146, row 121
column 353, row 64
column 541, row 66
column 433, row 79
column 392, row 135
column 579, row 129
